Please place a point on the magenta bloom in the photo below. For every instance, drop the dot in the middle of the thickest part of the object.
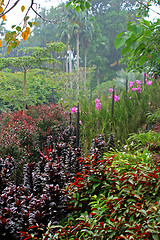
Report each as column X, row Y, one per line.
column 110, row 89
column 110, row 96
column 144, row 75
column 116, row 98
column 131, row 84
column 130, row 97
column 73, row 110
column 149, row 82
column 138, row 82
column 152, row 74
column 138, row 89
column 97, row 101
column 98, row 106
column 134, row 89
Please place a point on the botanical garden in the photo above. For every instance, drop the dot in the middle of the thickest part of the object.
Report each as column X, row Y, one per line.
column 80, row 120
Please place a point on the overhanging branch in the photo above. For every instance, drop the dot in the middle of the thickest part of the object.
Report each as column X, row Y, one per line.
column 146, row 6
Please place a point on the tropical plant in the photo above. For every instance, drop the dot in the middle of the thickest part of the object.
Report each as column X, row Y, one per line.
column 36, row 59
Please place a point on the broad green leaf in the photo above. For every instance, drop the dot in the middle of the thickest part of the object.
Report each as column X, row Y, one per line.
column 68, row 4
column 142, row 60
column 30, row 24
column 125, row 50
column 78, row 8
column 147, row 33
column 120, row 34
column 14, row 44
column 8, row 49
column 18, row 28
column 7, row 36
column 141, row 47
column 88, row 5
column 82, row 7
column 147, row 23
column 119, row 42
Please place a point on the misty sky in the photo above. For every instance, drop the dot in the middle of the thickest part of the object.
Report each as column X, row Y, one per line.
column 15, row 16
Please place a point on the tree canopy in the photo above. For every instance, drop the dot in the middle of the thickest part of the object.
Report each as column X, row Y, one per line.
column 140, row 42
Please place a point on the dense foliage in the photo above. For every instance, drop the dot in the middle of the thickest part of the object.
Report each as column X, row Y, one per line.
column 23, row 134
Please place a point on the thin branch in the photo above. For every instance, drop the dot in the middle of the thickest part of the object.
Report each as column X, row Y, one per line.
column 6, row 5
column 44, row 19
column 3, row 13
column 146, row 6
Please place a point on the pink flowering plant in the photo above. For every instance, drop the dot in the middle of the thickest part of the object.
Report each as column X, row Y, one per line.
column 74, row 110
column 98, row 104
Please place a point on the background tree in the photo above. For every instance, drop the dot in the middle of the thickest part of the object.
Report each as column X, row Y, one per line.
column 35, row 60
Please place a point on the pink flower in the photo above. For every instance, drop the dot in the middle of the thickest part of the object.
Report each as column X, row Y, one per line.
column 144, row 75
column 98, row 106
column 130, row 97
column 61, row 99
column 110, row 96
column 97, row 101
column 110, row 89
column 138, row 89
column 131, row 84
column 152, row 74
column 73, row 110
column 134, row 89
column 149, row 82
column 138, row 82
column 116, row 98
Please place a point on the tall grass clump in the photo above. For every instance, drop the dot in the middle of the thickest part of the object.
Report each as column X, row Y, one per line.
column 127, row 115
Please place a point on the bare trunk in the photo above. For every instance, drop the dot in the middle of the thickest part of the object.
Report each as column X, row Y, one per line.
column 98, row 77
column 78, row 62
column 24, row 90
column 66, row 63
column 85, row 69
column 70, row 67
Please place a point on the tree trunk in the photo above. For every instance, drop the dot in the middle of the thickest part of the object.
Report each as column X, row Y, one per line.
column 85, row 69
column 24, row 90
column 70, row 67
column 77, row 62
column 66, row 62
column 98, row 77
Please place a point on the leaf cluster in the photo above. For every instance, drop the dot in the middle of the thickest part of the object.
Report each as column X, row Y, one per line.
column 140, row 45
